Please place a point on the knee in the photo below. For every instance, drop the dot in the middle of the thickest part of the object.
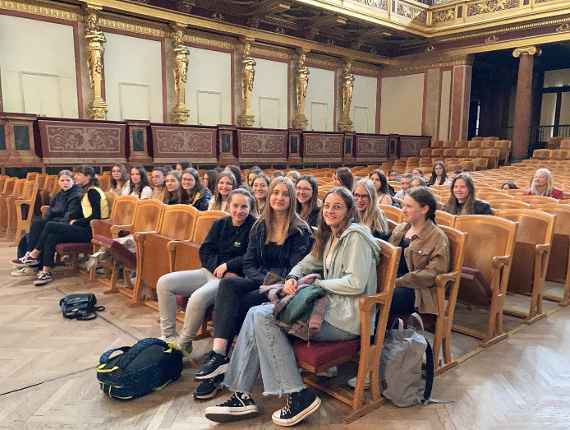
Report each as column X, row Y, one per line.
column 162, row 285
column 261, row 316
column 226, row 288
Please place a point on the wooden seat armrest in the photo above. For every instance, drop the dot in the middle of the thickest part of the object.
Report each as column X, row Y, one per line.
column 118, row 228
column 140, row 235
column 367, row 303
column 442, row 280
column 542, row 251
column 543, row 248
column 174, row 243
column 21, row 202
column 501, row 261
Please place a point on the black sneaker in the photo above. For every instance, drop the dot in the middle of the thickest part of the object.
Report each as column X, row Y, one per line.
column 43, row 278
column 209, row 388
column 298, row 407
column 216, row 364
column 237, row 407
column 26, row 260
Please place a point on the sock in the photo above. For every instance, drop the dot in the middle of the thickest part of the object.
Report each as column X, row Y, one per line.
column 220, row 351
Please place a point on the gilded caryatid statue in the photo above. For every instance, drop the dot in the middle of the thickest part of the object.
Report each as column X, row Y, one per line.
column 302, row 74
column 246, row 119
column 181, row 113
column 347, row 86
column 95, row 49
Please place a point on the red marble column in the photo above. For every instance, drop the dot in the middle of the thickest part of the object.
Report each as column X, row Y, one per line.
column 523, row 101
column 460, row 98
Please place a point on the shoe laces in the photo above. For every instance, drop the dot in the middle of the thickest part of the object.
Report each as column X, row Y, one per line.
column 286, row 410
column 236, row 399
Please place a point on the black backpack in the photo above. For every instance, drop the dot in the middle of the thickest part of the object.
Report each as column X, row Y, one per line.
column 80, row 306
column 147, row 366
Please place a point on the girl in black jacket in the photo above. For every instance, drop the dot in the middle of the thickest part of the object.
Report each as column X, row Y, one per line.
column 64, row 206
column 222, row 257
column 94, row 205
column 278, row 240
column 193, row 192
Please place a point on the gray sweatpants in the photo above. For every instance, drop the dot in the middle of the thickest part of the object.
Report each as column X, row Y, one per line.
column 202, row 288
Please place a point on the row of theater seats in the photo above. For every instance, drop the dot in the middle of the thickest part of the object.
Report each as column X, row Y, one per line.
column 551, row 154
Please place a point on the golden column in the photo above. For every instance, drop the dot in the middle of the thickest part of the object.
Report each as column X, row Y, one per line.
column 302, row 74
column 347, row 85
column 180, row 113
column 246, row 119
column 95, row 41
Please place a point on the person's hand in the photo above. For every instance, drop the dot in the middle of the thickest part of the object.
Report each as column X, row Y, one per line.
column 220, row 270
column 290, row 286
column 72, row 222
column 309, row 279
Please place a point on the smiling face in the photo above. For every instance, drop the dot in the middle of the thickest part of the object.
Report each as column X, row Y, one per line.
column 260, row 189
column 225, row 186
column 412, row 210
column 304, row 191
column 171, row 183
column 239, row 208
column 540, row 180
column 334, row 211
column 135, row 176
column 279, row 200
column 361, row 198
column 157, row 177
column 65, row 182
column 460, row 190
column 188, row 181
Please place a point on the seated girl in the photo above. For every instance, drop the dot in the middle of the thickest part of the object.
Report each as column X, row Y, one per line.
column 157, row 177
column 138, row 184
column 193, row 192
column 278, row 241
column 367, row 210
column 382, row 187
column 343, row 178
column 425, row 254
column 119, row 179
column 346, row 254
column 64, row 206
column 94, row 205
column 172, row 188
column 439, row 175
column 543, row 185
column 260, row 188
column 308, row 205
column 462, row 200
column 226, row 182
column 221, row 255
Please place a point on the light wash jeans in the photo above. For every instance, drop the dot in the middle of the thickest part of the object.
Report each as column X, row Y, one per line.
column 202, row 288
column 263, row 346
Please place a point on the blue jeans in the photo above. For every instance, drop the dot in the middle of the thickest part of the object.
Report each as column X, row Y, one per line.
column 263, row 346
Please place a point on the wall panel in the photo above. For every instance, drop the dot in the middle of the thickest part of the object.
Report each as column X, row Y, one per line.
column 133, row 78
column 363, row 109
column 445, row 105
column 402, row 104
column 37, row 67
column 269, row 104
column 319, row 103
column 209, row 88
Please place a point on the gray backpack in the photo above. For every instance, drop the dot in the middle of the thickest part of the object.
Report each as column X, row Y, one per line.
column 401, row 367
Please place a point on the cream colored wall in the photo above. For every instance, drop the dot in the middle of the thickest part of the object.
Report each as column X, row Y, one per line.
column 363, row 109
column 402, row 104
column 133, row 78
column 319, row 103
column 556, row 78
column 269, row 104
column 209, row 88
column 445, row 105
column 37, row 67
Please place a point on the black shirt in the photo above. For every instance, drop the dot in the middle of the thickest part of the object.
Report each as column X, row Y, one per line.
column 226, row 243
column 403, row 266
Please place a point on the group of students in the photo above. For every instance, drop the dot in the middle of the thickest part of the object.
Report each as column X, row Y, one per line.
column 277, row 232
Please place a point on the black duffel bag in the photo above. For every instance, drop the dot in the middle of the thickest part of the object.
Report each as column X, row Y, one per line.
column 80, row 306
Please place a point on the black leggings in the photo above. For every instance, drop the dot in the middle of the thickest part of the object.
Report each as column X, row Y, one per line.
column 55, row 233
column 235, row 297
column 403, row 302
column 36, row 229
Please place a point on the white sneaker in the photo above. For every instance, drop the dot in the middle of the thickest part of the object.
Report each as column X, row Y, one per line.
column 331, row 372
column 352, row 383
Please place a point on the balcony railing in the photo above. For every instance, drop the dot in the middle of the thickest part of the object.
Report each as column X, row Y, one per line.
column 432, row 20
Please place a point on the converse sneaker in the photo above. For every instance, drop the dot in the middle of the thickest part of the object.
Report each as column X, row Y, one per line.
column 23, row 271
column 26, row 260
column 43, row 278
column 298, row 407
column 209, row 388
column 237, row 407
column 216, row 364
column 186, row 349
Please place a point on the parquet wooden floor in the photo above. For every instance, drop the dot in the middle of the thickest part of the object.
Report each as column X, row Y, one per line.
column 47, row 378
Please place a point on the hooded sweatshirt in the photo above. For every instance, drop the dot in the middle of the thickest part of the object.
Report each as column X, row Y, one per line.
column 351, row 274
column 65, row 205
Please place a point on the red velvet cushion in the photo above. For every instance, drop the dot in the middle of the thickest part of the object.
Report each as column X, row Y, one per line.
column 123, row 256
column 105, row 241
column 318, row 354
column 73, row 248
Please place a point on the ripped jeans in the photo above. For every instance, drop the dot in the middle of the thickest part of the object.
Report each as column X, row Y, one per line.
column 263, row 346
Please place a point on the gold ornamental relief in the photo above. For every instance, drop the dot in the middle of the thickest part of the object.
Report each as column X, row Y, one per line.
column 442, row 16
column 528, row 50
column 302, row 75
column 95, row 48
column 246, row 119
column 39, row 10
column 489, row 6
column 181, row 113
column 347, row 87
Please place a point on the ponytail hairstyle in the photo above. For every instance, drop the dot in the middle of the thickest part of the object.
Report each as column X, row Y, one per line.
column 424, row 197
